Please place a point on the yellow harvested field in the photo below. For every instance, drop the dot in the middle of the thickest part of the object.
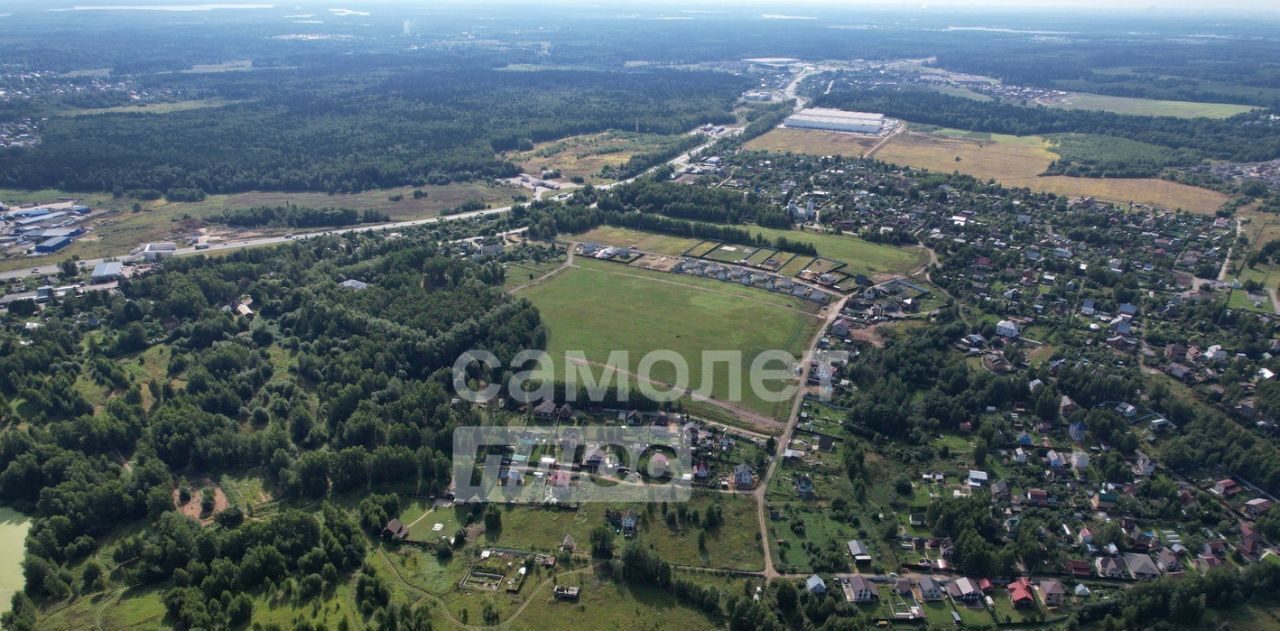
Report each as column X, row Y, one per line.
column 1019, row 161
column 815, row 142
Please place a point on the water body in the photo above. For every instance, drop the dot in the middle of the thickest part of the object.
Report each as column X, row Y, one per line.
column 13, row 534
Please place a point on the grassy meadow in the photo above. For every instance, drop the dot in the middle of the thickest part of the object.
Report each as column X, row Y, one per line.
column 1149, row 107
column 599, row 307
column 13, row 534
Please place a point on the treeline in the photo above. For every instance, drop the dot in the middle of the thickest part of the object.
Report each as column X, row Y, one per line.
column 297, row 217
column 697, row 203
column 345, row 128
column 549, row 220
column 1249, row 137
column 1184, row 602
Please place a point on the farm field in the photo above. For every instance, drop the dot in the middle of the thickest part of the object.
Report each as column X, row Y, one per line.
column 589, row 309
column 586, row 155
column 1148, row 107
column 812, row 141
column 1018, row 161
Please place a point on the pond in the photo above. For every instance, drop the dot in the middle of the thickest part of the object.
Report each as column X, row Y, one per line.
column 13, row 533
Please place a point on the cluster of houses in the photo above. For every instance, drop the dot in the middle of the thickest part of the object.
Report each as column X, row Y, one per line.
column 1022, row 593
column 763, row 280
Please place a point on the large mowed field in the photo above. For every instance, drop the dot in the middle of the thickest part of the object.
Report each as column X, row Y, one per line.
column 1018, row 162
column 598, row 307
column 1148, row 107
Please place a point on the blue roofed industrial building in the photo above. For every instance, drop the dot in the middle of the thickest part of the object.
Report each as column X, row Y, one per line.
column 53, row 245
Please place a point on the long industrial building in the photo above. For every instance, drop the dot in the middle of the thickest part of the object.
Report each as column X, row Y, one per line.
column 836, row 120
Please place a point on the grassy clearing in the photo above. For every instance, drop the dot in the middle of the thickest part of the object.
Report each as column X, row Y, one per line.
column 591, row 310
column 605, row 604
column 645, row 241
column 1149, row 107
column 733, row 545
column 527, row 271
column 13, row 534
column 814, row 142
column 1018, row 161
column 148, row 108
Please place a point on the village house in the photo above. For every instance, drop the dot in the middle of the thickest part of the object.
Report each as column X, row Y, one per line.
column 1140, row 566
column 964, row 589
column 1052, row 592
column 930, row 590
column 1255, row 508
column 1020, row 595
column 859, row 552
column 860, row 590
column 1226, row 488
column 1109, row 567
column 815, row 585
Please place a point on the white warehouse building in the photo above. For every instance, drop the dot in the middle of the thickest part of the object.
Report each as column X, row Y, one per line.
column 836, row 120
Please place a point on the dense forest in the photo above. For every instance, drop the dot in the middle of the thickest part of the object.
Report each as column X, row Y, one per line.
column 1249, row 137
column 297, row 217
column 344, row 129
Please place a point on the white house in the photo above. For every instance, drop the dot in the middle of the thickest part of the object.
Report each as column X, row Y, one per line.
column 1005, row 328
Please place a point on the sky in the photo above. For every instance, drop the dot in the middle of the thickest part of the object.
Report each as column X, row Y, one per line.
column 1155, row 6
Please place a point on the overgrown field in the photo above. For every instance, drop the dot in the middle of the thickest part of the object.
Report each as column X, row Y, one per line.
column 823, row 143
column 586, row 155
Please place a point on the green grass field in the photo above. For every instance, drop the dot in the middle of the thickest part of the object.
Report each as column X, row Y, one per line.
column 592, row 309
column 607, row 604
column 13, row 534
column 862, row 256
column 1150, row 107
